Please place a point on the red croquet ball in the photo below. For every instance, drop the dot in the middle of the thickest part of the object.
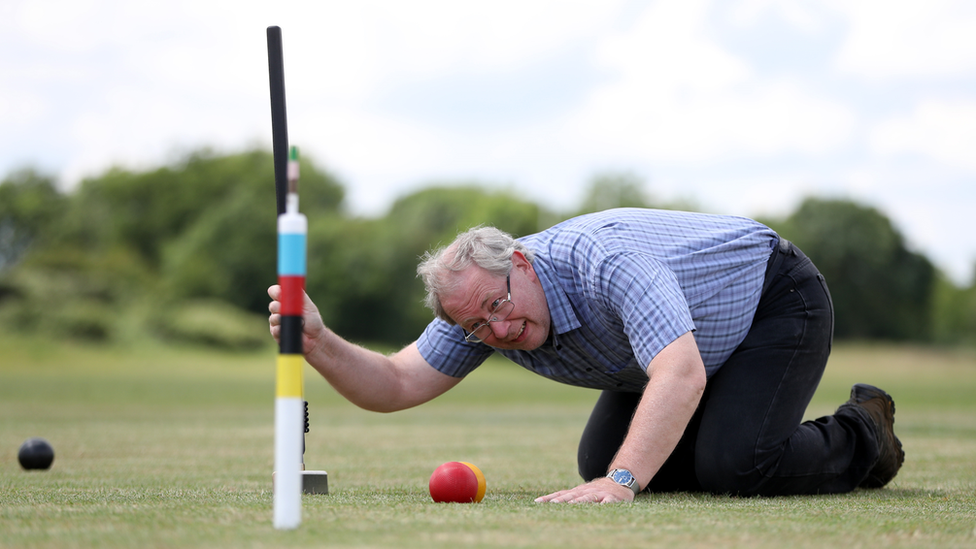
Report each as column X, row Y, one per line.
column 454, row 482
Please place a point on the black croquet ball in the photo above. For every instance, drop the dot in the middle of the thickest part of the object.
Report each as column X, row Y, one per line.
column 35, row 453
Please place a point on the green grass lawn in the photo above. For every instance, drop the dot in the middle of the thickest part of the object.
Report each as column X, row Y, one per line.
column 158, row 447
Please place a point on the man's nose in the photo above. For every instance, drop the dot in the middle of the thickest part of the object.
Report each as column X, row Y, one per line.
column 499, row 328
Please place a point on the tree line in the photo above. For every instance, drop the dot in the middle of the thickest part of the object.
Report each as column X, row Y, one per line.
column 185, row 253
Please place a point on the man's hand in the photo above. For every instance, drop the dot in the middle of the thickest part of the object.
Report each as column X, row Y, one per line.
column 601, row 490
column 312, row 325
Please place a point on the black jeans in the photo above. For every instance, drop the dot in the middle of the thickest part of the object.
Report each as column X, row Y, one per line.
column 746, row 436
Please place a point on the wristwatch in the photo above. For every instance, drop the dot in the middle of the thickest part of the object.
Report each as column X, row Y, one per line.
column 624, row 477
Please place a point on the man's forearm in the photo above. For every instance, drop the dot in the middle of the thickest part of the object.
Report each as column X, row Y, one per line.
column 374, row 381
column 670, row 400
column 364, row 377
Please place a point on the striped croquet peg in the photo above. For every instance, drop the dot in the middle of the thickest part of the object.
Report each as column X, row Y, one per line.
column 289, row 398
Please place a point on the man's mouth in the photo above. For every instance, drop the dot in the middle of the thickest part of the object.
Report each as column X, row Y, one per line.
column 520, row 332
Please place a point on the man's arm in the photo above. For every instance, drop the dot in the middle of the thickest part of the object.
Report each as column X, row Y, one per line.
column 675, row 386
column 366, row 378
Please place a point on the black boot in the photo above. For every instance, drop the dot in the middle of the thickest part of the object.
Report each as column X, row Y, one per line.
column 880, row 407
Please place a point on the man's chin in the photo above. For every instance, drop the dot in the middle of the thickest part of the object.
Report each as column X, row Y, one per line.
column 532, row 338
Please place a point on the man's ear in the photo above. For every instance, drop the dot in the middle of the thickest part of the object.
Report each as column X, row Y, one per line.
column 519, row 261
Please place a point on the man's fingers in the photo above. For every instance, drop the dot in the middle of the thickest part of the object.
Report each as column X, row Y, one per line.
column 274, row 320
column 598, row 491
column 553, row 497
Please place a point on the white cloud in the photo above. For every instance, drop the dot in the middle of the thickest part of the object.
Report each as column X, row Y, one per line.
column 945, row 131
column 355, row 50
column 905, row 39
column 800, row 15
column 433, row 36
column 18, row 108
column 678, row 96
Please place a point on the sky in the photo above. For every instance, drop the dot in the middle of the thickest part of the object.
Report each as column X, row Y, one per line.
column 744, row 107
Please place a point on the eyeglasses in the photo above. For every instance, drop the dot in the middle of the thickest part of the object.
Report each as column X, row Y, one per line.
column 500, row 311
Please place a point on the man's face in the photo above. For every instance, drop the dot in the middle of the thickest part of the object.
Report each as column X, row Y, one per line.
column 525, row 329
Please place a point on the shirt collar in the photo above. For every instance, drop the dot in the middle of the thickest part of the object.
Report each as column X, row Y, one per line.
column 561, row 311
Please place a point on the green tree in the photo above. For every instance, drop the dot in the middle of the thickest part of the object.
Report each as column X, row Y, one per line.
column 29, row 204
column 880, row 289
column 147, row 211
column 954, row 313
column 623, row 190
column 227, row 247
column 199, row 231
column 614, row 190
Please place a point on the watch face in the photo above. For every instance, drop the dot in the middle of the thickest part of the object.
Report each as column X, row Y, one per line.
column 622, row 477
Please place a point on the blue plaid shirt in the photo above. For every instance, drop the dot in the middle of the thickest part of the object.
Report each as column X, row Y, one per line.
column 623, row 284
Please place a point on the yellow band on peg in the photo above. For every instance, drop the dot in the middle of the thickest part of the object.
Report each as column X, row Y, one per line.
column 289, row 383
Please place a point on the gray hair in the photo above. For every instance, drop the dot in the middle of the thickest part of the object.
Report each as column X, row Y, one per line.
column 485, row 247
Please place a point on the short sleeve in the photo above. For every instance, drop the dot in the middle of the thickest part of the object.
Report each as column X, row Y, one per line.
column 443, row 347
column 647, row 299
